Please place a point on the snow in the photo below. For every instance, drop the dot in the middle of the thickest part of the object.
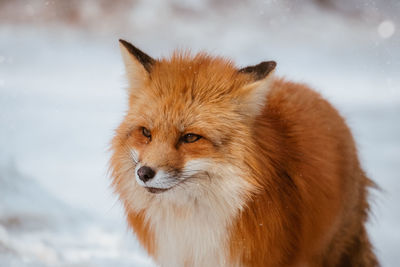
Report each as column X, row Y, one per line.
column 61, row 97
column 37, row 229
column 386, row 29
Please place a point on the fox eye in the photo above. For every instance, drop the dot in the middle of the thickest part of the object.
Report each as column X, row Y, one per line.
column 190, row 138
column 146, row 132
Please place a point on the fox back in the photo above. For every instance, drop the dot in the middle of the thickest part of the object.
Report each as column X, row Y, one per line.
column 221, row 166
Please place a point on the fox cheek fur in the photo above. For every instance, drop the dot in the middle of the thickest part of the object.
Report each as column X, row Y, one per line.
column 219, row 166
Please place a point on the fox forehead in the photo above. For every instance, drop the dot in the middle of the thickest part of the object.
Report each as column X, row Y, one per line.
column 203, row 78
column 187, row 93
column 182, row 81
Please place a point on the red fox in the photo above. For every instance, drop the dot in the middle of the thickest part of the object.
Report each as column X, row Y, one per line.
column 221, row 166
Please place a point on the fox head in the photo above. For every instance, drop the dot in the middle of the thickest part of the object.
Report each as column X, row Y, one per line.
column 189, row 126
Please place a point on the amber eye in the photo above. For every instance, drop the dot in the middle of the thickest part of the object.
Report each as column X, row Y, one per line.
column 190, row 138
column 146, row 132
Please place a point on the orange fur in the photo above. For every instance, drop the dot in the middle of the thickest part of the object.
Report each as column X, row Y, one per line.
column 274, row 185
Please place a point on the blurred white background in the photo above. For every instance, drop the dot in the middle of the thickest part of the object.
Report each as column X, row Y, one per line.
column 62, row 94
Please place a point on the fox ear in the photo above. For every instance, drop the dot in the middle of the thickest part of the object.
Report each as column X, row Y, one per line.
column 254, row 93
column 138, row 65
column 259, row 71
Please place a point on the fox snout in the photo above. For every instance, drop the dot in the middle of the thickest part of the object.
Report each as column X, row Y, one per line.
column 145, row 173
column 155, row 180
column 156, row 176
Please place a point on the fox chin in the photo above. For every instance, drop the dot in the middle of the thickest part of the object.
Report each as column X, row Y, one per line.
column 224, row 166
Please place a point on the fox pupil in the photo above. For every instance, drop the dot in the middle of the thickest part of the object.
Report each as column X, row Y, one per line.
column 190, row 138
column 146, row 132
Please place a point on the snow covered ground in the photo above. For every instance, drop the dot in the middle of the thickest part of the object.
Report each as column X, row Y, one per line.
column 61, row 96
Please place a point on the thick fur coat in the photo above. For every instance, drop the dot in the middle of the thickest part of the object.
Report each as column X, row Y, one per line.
column 220, row 166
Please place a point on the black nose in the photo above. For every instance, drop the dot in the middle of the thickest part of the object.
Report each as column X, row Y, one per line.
column 145, row 173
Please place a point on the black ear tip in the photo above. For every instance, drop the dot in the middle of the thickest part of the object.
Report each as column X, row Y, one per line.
column 272, row 64
column 268, row 65
column 261, row 70
column 124, row 43
column 142, row 57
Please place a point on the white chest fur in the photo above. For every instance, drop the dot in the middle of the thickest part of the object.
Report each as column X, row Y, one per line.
column 193, row 230
column 196, row 237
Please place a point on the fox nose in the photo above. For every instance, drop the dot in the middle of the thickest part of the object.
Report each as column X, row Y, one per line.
column 145, row 173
